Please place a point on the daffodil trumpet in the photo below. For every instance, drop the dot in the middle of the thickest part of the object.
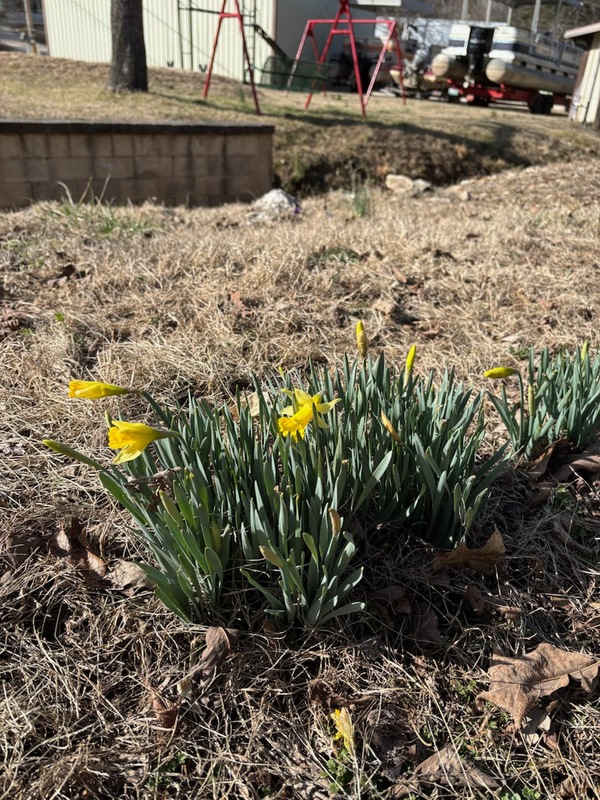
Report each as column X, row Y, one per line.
column 132, row 438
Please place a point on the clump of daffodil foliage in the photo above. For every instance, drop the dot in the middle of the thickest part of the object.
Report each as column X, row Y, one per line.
column 559, row 400
column 266, row 492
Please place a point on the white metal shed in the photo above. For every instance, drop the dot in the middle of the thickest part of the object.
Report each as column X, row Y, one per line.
column 585, row 106
column 180, row 33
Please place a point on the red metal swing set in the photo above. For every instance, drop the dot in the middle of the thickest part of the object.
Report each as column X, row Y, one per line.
column 342, row 24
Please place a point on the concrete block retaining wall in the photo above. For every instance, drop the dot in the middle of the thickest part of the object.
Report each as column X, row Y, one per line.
column 173, row 163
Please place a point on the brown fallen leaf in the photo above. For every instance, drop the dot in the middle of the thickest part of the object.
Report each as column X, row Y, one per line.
column 322, row 694
column 426, row 624
column 217, row 646
column 128, row 576
column 393, row 596
column 484, row 559
column 537, row 723
column 536, row 469
column 567, row 465
column 517, row 684
column 475, row 599
column 445, row 768
column 70, row 542
column 165, row 713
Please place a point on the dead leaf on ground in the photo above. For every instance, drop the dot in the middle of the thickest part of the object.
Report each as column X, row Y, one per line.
column 70, row 542
column 217, row 647
column 484, row 559
column 542, row 494
column 393, row 596
column 165, row 713
column 426, row 624
column 241, row 306
column 536, row 469
column 517, row 684
column 445, row 768
column 322, row 694
column 128, row 576
column 67, row 272
column 566, row 466
column 537, row 723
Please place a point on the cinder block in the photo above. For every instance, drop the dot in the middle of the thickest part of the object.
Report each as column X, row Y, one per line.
column 47, row 190
column 67, row 169
column 79, row 145
column 145, row 189
column 35, row 145
column 116, row 167
column 153, row 167
column 182, row 166
column 241, row 145
column 38, row 169
column 58, row 145
column 122, row 144
column 209, row 144
column 13, row 170
column 101, row 145
column 11, row 145
column 15, row 195
column 203, row 166
column 149, row 144
column 236, row 165
column 211, row 187
column 180, row 145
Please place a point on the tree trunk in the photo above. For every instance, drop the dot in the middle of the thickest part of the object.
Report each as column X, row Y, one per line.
column 128, row 67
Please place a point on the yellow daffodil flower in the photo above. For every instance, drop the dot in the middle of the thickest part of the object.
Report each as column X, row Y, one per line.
column 390, row 428
column 497, row 373
column 293, row 423
column 94, row 390
column 362, row 341
column 344, row 728
column 410, row 360
column 132, row 438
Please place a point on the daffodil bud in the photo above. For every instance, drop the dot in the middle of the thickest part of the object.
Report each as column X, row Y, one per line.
column 410, row 360
column 497, row 373
column 362, row 341
column 390, row 428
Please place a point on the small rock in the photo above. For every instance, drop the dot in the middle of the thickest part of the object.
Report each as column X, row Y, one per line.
column 420, row 186
column 399, row 183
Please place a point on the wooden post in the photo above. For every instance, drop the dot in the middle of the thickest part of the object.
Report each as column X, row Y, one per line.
column 29, row 23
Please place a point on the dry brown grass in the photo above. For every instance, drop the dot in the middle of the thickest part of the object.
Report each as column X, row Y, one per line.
column 178, row 300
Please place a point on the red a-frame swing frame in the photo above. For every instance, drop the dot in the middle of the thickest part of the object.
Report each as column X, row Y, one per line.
column 236, row 14
column 343, row 25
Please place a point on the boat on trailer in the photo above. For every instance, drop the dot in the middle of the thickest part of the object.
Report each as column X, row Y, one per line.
column 487, row 61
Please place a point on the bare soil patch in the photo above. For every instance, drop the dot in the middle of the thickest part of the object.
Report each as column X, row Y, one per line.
column 180, row 300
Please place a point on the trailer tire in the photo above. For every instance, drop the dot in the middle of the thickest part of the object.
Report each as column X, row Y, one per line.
column 540, row 103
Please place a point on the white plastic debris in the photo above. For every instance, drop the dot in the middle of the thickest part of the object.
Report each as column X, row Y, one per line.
column 273, row 206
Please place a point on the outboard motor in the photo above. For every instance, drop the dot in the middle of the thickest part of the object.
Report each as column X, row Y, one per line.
column 480, row 42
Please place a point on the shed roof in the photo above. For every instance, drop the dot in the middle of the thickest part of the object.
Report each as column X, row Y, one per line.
column 585, row 30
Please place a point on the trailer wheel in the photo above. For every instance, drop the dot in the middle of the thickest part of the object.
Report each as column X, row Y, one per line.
column 540, row 103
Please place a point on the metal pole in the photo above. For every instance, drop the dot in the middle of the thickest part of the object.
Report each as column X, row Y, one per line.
column 29, row 22
column 536, row 16
column 465, row 10
column 488, row 11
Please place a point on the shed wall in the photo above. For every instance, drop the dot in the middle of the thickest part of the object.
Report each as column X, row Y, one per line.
column 80, row 30
column 586, row 101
